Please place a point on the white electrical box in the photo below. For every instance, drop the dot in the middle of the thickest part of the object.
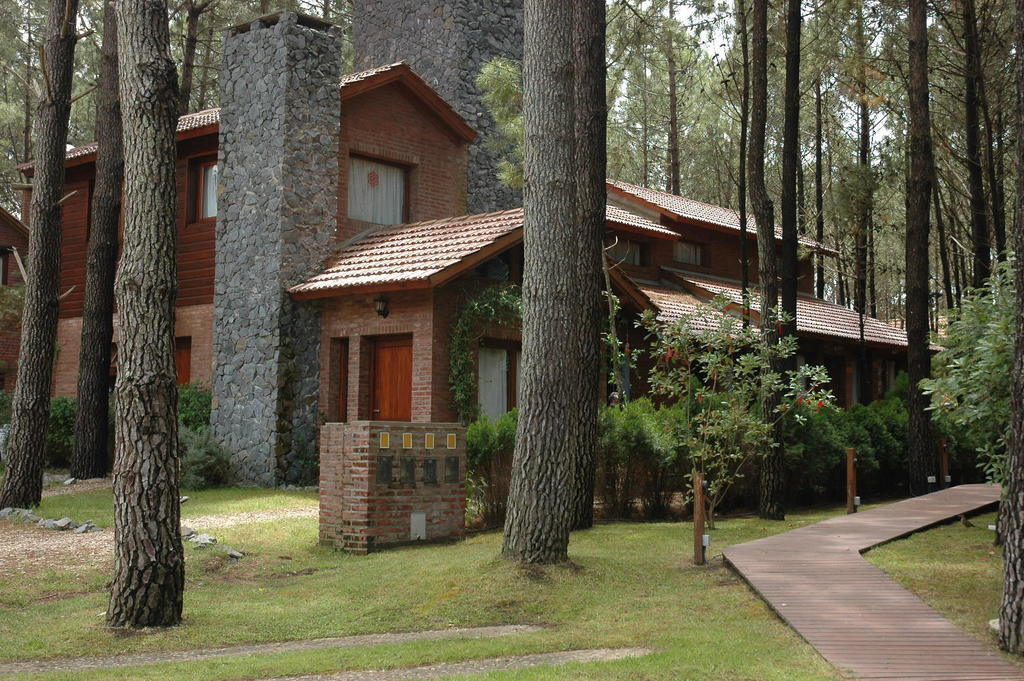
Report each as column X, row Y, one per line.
column 417, row 526
column 707, row 540
column 949, row 479
column 931, row 479
column 856, row 501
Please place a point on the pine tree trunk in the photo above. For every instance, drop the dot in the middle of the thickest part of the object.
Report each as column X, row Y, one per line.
column 976, row 183
column 89, row 458
column 204, row 78
column 30, row 408
column 919, row 193
column 673, row 105
column 790, row 160
column 998, row 218
column 741, row 24
column 561, row 286
column 1011, row 511
column 149, row 571
column 862, row 220
column 771, row 473
column 940, row 226
column 193, row 12
column 591, row 160
column 26, row 139
column 819, row 194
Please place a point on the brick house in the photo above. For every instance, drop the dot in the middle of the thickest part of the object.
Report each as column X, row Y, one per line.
column 299, row 310
column 13, row 237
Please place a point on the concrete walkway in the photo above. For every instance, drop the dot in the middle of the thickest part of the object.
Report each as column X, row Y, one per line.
column 859, row 619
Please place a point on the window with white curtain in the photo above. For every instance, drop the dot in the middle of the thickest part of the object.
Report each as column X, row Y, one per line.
column 208, row 173
column 376, row 192
column 626, row 251
column 688, row 253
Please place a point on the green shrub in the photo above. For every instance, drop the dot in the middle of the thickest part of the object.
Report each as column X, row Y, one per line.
column 814, row 454
column 194, row 405
column 60, row 436
column 489, row 448
column 204, row 463
column 5, row 408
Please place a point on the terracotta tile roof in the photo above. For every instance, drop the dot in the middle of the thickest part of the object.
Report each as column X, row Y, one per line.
column 813, row 316
column 411, row 254
column 620, row 216
column 688, row 209
column 418, row 253
column 202, row 119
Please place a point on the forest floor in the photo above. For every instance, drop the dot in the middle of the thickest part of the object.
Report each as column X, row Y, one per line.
column 630, row 590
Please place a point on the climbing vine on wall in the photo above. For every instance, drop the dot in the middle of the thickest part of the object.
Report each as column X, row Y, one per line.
column 494, row 305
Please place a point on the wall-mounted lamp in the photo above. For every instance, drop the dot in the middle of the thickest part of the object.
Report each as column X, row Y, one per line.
column 381, row 306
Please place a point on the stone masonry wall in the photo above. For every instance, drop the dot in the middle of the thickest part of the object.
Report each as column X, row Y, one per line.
column 447, row 42
column 279, row 136
column 375, row 475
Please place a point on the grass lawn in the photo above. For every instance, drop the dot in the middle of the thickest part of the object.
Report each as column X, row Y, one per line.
column 631, row 585
column 955, row 569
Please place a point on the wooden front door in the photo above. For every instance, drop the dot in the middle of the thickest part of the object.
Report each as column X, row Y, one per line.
column 391, row 392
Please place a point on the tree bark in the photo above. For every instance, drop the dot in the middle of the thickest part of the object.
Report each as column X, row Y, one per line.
column 862, row 220
column 193, row 12
column 149, row 571
column 940, row 226
column 673, row 105
column 591, row 122
column 89, row 457
column 819, row 194
column 30, row 408
column 1011, row 521
column 790, row 160
column 998, row 218
column 919, row 193
column 741, row 23
column 771, row 504
column 976, row 183
column 561, row 286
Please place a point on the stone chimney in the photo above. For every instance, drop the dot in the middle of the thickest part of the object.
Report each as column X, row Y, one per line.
column 280, row 127
column 447, row 43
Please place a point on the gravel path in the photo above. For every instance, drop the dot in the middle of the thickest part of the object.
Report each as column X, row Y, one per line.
column 80, row 663
column 493, row 664
column 25, row 549
column 90, row 485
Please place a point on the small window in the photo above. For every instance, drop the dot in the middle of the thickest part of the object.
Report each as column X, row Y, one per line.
column 205, row 174
column 625, row 251
column 5, row 259
column 688, row 253
column 376, row 192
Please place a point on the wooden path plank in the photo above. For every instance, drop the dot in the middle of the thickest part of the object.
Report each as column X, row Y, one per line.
column 859, row 620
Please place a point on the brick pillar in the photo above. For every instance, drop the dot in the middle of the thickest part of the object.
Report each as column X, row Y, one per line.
column 280, row 127
column 363, row 508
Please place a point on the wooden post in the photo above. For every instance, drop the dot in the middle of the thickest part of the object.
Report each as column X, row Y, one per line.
column 698, row 519
column 944, row 479
column 851, row 480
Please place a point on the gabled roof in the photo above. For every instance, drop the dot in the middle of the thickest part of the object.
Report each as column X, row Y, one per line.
column 417, row 255
column 684, row 293
column 13, row 222
column 425, row 254
column 352, row 85
column 682, row 208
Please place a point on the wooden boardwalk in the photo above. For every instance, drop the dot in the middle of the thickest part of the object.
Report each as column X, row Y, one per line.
column 859, row 619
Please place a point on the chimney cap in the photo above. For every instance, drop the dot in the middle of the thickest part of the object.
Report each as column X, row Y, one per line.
column 276, row 17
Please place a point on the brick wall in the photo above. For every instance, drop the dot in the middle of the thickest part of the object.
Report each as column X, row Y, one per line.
column 388, row 125
column 360, row 511
column 194, row 321
column 10, row 235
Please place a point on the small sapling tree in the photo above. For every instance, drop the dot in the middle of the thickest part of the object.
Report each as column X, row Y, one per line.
column 719, row 371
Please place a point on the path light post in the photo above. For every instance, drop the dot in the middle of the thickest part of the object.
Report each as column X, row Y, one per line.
column 698, row 519
column 944, row 464
column 852, row 501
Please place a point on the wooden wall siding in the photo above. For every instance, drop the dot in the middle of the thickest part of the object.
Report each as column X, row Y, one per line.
column 721, row 256
column 195, row 244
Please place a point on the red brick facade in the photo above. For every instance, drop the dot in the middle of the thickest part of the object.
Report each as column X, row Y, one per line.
column 12, row 234
column 386, row 484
